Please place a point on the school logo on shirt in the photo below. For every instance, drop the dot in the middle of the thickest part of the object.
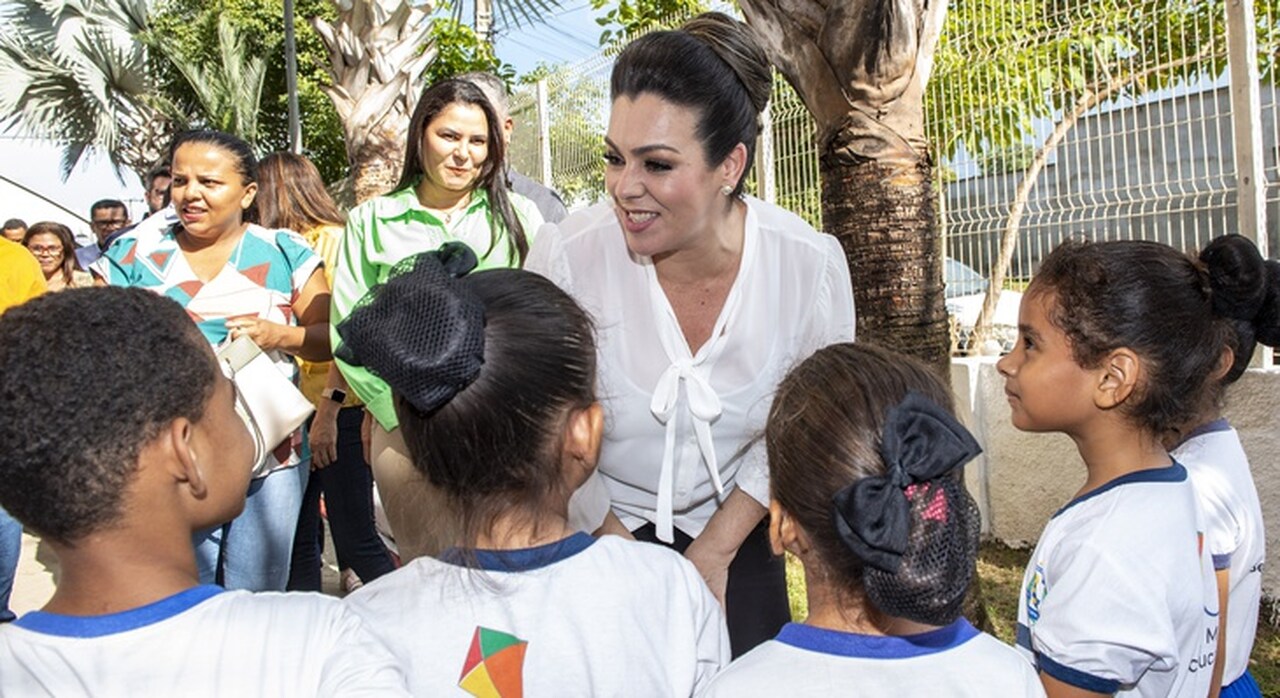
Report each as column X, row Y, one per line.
column 494, row 666
column 1036, row 591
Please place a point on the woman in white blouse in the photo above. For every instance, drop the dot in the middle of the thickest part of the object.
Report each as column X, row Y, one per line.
column 703, row 298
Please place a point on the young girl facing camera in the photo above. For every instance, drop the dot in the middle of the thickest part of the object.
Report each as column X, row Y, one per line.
column 864, row 465
column 494, row 376
column 1119, row 346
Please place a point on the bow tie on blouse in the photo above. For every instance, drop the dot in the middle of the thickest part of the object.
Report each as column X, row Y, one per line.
column 694, row 373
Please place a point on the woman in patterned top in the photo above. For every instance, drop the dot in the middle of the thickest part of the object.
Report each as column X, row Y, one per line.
column 235, row 278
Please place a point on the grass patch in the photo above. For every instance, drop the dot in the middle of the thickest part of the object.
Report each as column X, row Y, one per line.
column 1000, row 569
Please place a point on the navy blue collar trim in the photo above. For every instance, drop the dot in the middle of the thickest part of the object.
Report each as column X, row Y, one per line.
column 1170, row 473
column 842, row 644
column 1217, row 425
column 520, row 560
column 113, row 623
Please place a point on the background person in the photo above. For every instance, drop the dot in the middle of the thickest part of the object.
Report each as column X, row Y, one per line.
column 15, row 229
column 703, row 299
column 21, row 279
column 54, row 248
column 235, row 278
column 159, row 179
column 549, row 203
column 108, row 218
column 291, row 195
column 451, row 189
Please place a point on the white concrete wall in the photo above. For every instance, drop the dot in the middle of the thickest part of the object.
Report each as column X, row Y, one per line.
column 1021, row 479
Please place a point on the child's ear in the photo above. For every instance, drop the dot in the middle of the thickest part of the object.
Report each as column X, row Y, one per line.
column 184, row 466
column 582, row 437
column 785, row 536
column 1121, row 371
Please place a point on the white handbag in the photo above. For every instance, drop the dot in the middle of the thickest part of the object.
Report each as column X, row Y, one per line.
column 270, row 404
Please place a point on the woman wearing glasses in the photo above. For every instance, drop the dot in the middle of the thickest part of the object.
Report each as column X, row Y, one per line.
column 54, row 249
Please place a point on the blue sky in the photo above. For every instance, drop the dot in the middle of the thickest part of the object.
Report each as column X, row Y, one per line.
column 570, row 35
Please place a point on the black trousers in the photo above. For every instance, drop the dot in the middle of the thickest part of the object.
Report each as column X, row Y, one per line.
column 756, row 595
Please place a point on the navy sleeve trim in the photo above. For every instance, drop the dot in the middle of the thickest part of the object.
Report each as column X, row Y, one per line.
column 1075, row 677
column 1222, row 562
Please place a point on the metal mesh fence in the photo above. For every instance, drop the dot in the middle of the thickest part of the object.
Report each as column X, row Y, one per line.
column 1110, row 119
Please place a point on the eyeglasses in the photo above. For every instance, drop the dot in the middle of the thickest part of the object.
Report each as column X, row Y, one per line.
column 109, row 224
column 52, row 251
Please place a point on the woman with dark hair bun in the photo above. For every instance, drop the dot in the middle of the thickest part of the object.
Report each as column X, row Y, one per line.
column 235, row 278
column 704, row 298
column 452, row 188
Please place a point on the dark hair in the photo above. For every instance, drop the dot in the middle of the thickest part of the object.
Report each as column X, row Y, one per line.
column 107, row 204
column 70, row 452
column 495, row 90
column 291, row 194
column 711, row 64
column 1154, row 300
column 63, row 233
column 14, row 223
column 824, row 433
column 493, row 176
column 495, row 446
column 1246, row 291
column 243, row 160
column 160, row 170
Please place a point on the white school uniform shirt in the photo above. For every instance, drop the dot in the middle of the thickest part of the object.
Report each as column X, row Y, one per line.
column 200, row 642
column 1119, row 596
column 682, row 428
column 954, row 661
column 1234, row 534
column 579, row 617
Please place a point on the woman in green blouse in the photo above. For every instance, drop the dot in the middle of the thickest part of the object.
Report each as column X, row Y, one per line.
column 452, row 188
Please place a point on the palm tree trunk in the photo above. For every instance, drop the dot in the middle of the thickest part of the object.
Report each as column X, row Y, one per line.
column 884, row 216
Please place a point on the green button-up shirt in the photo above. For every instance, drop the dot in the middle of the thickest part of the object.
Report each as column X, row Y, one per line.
column 385, row 230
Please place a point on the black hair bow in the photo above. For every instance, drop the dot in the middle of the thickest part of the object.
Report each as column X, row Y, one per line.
column 422, row 331
column 920, row 442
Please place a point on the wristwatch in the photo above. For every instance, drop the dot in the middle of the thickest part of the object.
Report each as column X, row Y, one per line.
column 335, row 394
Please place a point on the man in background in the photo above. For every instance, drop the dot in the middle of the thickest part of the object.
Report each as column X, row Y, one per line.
column 15, row 229
column 108, row 219
column 549, row 203
column 158, row 181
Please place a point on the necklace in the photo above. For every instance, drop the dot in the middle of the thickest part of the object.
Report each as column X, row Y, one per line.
column 447, row 213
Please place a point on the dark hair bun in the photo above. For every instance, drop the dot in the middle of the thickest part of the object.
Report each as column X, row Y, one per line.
column 731, row 40
column 1237, row 276
column 1266, row 324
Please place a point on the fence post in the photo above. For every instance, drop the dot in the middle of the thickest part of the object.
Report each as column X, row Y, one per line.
column 768, row 186
column 1246, row 121
column 1246, row 130
column 544, row 132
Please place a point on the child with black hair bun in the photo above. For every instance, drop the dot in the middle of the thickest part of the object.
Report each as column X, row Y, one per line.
column 493, row 375
column 1246, row 291
column 865, row 462
column 1121, row 343
column 115, row 480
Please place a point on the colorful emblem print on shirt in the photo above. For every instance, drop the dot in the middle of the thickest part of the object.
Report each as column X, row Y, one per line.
column 494, row 666
column 1035, row 594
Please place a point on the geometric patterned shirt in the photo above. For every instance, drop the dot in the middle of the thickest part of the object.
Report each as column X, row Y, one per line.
column 262, row 278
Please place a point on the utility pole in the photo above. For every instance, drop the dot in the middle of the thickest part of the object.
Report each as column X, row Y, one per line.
column 291, row 79
column 484, row 21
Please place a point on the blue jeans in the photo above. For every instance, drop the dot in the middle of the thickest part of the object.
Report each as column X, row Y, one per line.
column 10, row 547
column 347, row 484
column 252, row 551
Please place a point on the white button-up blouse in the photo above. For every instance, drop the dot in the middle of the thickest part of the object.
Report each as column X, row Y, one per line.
column 683, row 428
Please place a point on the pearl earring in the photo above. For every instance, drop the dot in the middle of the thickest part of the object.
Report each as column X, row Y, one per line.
column 726, row 190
